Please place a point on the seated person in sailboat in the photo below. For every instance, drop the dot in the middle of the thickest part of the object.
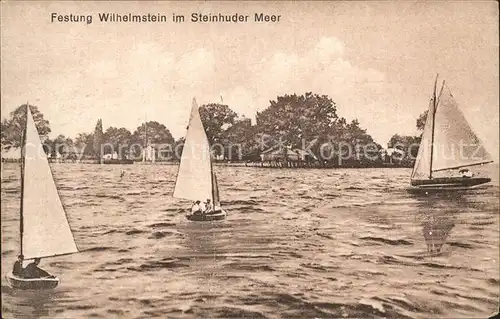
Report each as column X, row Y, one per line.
column 32, row 271
column 203, row 207
column 465, row 173
column 209, row 207
column 196, row 207
column 18, row 266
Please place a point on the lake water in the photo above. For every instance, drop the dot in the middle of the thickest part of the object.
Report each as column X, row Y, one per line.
column 296, row 243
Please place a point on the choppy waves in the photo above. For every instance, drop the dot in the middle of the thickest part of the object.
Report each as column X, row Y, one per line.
column 296, row 243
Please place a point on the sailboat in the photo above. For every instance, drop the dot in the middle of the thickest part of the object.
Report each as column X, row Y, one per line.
column 44, row 228
column 196, row 179
column 448, row 146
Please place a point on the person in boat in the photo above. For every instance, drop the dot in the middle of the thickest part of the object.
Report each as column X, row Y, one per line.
column 32, row 271
column 203, row 207
column 465, row 173
column 17, row 270
column 196, row 209
column 209, row 207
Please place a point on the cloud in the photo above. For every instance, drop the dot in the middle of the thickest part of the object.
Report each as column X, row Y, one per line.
column 322, row 69
column 241, row 100
column 330, row 45
column 195, row 67
column 151, row 63
column 146, row 63
column 150, row 76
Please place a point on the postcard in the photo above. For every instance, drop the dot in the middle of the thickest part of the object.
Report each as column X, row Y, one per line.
column 239, row 159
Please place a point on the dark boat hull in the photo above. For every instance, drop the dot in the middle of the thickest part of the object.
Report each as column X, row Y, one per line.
column 117, row 161
column 32, row 283
column 453, row 181
column 213, row 216
column 447, row 184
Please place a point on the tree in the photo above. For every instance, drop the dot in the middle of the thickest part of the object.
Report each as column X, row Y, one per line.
column 421, row 121
column 406, row 148
column 178, row 147
column 4, row 132
column 117, row 140
column 155, row 132
column 85, row 141
column 240, row 141
column 362, row 145
column 152, row 133
column 294, row 120
column 60, row 145
column 97, row 140
column 310, row 122
column 216, row 118
column 13, row 127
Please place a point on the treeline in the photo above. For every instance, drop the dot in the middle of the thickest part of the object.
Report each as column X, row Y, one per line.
column 405, row 147
column 307, row 122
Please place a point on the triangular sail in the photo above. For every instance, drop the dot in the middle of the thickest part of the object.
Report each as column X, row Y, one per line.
column 455, row 144
column 422, row 168
column 46, row 231
column 194, row 180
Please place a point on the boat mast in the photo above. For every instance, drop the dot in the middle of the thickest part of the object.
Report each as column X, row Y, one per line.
column 145, row 137
column 23, row 156
column 212, row 173
column 433, row 114
column 212, row 181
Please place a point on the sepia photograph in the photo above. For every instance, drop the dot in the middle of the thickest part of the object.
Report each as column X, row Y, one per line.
column 250, row 159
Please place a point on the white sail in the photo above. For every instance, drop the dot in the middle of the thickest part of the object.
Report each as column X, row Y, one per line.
column 45, row 229
column 422, row 168
column 455, row 144
column 194, row 180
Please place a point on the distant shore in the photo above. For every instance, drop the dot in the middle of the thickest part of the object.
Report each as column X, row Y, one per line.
column 307, row 165
column 266, row 164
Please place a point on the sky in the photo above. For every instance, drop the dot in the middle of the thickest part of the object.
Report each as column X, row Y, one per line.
column 376, row 60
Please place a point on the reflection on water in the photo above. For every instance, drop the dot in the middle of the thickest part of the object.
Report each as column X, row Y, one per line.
column 29, row 303
column 436, row 228
column 297, row 243
column 439, row 214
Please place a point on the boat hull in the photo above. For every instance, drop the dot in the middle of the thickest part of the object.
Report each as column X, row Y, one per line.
column 450, row 182
column 213, row 216
column 32, row 283
column 447, row 184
